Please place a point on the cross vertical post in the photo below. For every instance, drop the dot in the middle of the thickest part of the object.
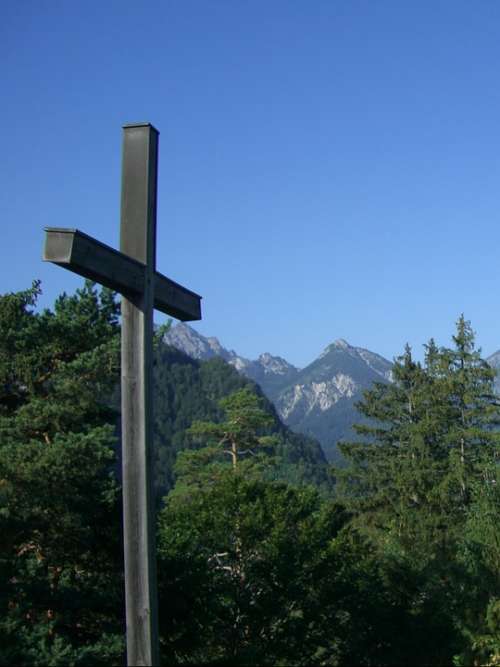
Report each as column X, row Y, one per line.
column 138, row 240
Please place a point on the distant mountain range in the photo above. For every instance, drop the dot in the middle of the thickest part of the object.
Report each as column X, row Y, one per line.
column 187, row 389
column 494, row 362
column 318, row 400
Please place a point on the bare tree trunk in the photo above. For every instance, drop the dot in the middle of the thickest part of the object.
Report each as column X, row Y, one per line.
column 234, row 454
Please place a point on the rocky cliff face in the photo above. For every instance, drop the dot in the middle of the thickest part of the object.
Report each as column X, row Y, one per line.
column 317, row 400
column 300, row 400
column 321, row 398
column 196, row 346
column 494, row 362
column 270, row 372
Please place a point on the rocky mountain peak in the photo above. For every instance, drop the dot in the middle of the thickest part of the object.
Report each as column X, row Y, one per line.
column 338, row 345
column 317, row 400
column 189, row 341
column 494, row 359
column 272, row 364
column 215, row 345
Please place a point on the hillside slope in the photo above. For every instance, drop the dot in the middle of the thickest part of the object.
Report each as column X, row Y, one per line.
column 187, row 390
column 317, row 401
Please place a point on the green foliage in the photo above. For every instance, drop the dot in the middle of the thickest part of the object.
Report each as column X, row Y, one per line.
column 59, row 510
column 187, row 391
column 256, row 551
column 240, row 435
column 258, row 572
column 423, row 481
column 256, row 565
column 59, row 505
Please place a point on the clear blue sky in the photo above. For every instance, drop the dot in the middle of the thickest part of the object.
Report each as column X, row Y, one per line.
column 327, row 168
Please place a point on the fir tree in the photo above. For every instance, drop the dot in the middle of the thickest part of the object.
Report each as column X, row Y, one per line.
column 432, row 432
column 473, row 439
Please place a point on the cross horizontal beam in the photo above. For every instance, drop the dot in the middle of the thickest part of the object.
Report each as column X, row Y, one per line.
column 92, row 259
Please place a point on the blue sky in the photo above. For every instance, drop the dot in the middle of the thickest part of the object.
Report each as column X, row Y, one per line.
column 327, row 169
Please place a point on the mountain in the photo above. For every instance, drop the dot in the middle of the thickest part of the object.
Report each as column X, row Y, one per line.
column 317, row 401
column 196, row 346
column 186, row 389
column 273, row 372
column 494, row 361
column 321, row 399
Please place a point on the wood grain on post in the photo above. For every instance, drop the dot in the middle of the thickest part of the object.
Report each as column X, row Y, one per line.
column 138, row 240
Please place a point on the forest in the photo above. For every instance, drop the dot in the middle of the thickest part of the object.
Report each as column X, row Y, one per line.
column 266, row 555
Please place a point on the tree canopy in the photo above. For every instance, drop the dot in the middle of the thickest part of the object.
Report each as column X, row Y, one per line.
column 261, row 560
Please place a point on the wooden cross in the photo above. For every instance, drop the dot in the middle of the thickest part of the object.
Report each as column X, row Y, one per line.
column 132, row 273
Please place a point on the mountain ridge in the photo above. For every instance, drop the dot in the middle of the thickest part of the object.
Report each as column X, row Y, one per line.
column 317, row 400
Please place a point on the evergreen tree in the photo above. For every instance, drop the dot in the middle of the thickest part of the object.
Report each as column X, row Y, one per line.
column 252, row 570
column 480, row 554
column 246, row 573
column 188, row 391
column 234, row 441
column 422, row 483
column 432, row 431
column 60, row 554
column 473, row 439
column 391, row 482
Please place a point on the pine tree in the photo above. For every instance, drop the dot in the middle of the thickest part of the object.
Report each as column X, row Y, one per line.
column 60, row 555
column 239, row 440
column 188, row 391
column 248, row 574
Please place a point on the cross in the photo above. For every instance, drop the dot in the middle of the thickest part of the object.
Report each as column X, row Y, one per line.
column 132, row 273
